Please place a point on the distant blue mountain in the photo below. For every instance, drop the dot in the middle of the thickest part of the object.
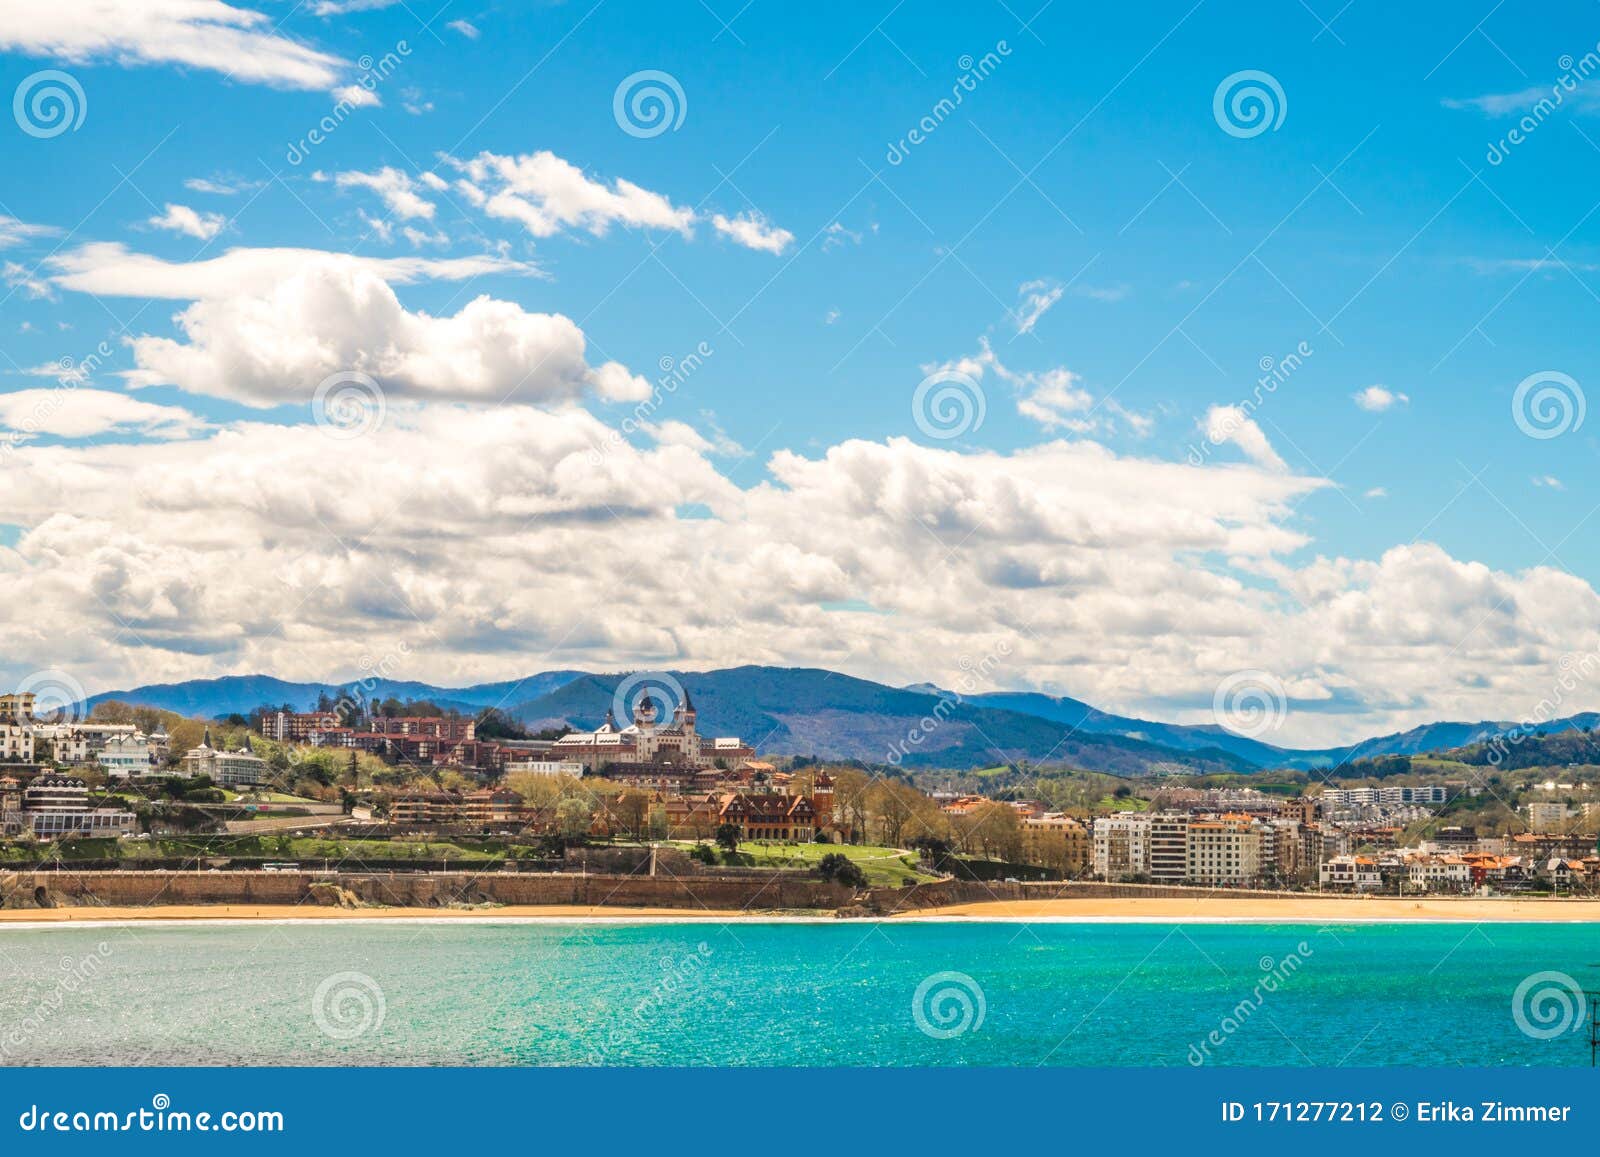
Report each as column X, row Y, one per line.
column 807, row 711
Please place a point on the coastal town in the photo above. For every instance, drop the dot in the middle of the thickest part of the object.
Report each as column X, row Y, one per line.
column 396, row 783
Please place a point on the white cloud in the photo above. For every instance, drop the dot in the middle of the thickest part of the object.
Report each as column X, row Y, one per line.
column 357, row 96
column 110, row 269
column 240, row 43
column 182, row 219
column 1550, row 481
column 84, row 413
column 19, row 276
column 14, row 232
column 398, row 191
column 546, row 194
column 466, row 28
column 1376, row 492
column 1056, row 400
column 218, row 188
column 1226, row 424
column 341, row 7
column 480, row 536
column 1036, row 299
column 274, row 347
column 753, row 231
column 1379, row 398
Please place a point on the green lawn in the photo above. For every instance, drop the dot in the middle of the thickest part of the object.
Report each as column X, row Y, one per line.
column 885, row 867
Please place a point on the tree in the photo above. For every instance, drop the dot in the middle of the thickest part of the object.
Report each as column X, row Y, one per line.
column 841, row 869
column 702, row 854
column 728, row 837
column 574, row 816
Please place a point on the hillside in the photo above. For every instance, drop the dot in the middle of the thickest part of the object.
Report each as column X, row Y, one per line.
column 805, row 711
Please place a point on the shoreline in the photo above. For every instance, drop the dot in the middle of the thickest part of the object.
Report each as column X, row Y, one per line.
column 1088, row 910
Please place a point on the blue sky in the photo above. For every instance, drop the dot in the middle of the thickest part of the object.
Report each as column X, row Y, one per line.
column 1086, row 171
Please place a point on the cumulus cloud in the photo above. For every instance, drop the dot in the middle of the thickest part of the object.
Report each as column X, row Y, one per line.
column 1377, row 399
column 465, row 27
column 273, row 347
column 84, row 413
column 546, row 194
column 1225, row 424
column 493, row 542
column 357, row 96
column 398, row 191
column 753, row 231
column 182, row 219
column 241, row 43
column 110, row 269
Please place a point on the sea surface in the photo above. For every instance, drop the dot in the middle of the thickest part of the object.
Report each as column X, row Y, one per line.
column 834, row 993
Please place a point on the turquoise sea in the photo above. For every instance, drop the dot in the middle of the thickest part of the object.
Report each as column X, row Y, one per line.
column 838, row 993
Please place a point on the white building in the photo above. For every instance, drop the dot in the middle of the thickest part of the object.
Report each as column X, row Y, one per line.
column 16, row 743
column 58, row 805
column 1169, row 847
column 1439, row 874
column 547, row 767
column 1351, row 874
column 241, row 768
column 1224, row 851
column 1547, row 816
column 1122, row 846
column 128, row 758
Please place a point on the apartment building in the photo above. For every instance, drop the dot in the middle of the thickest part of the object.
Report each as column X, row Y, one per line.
column 1169, row 847
column 1121, row 846
column 1227, row 850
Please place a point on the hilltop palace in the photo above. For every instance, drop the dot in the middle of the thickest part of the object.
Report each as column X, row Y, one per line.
column 647, row 743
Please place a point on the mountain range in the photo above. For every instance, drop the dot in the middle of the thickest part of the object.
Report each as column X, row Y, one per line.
column 808, row 711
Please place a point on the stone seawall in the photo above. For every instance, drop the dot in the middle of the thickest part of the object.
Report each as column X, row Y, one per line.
column 414, row 890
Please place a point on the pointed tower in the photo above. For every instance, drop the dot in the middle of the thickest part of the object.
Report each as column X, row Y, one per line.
column 646, row 712
column 205, row 738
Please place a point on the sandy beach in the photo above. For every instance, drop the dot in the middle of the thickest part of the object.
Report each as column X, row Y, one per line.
column 1313, row 909
column 1317, row 910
